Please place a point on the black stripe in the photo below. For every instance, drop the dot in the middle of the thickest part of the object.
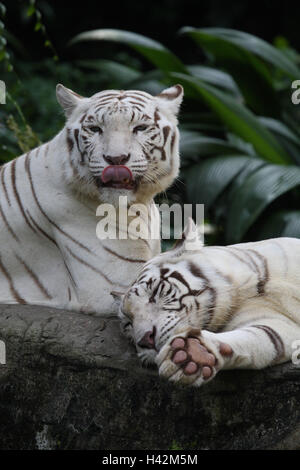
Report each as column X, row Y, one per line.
column 85, row 263
column 48, row 218
column 40, row 229
column 17, row 196
column 8, row 226
column 275, row 339
column 124, row 258
column 76, row 135
column 4, row 185
column 70, row 142
column 34, row 278
column 13, row 291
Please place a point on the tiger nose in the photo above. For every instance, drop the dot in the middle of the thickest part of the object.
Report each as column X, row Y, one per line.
column 148, row 340
column 118, row 160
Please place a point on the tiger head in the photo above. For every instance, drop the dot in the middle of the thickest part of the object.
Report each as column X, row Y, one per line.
column 171, row 293
column 121, row 143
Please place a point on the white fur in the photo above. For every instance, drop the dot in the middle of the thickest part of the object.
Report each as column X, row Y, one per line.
column 245, row 295
column 49, row 252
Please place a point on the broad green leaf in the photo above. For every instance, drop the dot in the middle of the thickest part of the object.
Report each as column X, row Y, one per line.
column 251, row 167
column 281, row 224
column 201, row 121
column 123, row 76
column 115, row 71
column 215, row 77
column 280, row 128
column 2, row 92
column 207, row 180
column 223, row 205
column 195, row 145
column 155, row 52
column 238, row 119
column 245, row 67
column 289, row 140
column 237, row 142
column 258, row 191
column 248, row 42
column 153, row 82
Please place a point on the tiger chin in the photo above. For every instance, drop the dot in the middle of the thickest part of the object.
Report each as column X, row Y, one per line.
column 114, row 143
column 196, row 310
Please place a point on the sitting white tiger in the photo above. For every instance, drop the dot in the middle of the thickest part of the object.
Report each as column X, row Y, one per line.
column 116, row 143
column 196, row 311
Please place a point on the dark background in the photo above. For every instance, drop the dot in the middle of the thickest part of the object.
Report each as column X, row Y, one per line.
column 159, row 20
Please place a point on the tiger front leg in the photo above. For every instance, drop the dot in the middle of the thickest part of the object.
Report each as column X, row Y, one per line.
column 193, row 358
column 189, row 358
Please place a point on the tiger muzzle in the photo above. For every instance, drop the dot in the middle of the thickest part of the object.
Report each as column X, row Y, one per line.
column 148, row 340
column 117, row 175
column 119, row 160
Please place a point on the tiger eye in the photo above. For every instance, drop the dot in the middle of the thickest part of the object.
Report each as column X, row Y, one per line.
column 140, row 128
column 96, row 129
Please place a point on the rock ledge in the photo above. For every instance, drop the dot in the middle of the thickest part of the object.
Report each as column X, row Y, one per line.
column 72, row 381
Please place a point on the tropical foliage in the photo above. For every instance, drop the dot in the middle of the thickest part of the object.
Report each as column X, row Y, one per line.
column 240, row 136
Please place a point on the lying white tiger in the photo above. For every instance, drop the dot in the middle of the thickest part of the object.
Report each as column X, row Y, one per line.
column 196, row 311
column 116, row 143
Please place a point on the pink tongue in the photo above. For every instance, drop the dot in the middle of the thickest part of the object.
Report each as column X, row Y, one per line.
column 117, row 174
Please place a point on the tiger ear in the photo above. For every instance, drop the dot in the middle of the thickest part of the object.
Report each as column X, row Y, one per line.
column 67, row 98
column 118, row 297
column 171, row 98
column 190, row 239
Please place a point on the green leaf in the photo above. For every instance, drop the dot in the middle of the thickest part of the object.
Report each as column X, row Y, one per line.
column 240, row 144
column 281, row 224
column 248, row 42
column 245, row 68
column 289, row 140
column 30, row 10
column 238, row 119
column 215, row 77
column 155, row 52
column 38, row 26
column 258, row 191
column 193, row 144
column 115, row 71
column 201, row 121
column 280, row 128
column 207, row 180
column 2, row 92
column 2, row 9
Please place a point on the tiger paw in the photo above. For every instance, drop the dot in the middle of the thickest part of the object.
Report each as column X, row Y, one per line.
column 193, row 360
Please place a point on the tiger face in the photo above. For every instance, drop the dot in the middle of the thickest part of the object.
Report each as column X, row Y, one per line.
column 122, row 143
column 171, row 294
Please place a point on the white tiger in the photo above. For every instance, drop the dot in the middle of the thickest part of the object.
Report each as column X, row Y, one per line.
column 196, row 311
column 116, row 143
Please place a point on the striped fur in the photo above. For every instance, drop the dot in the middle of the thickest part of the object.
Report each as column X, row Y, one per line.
column 246, row 296
column 50, row 254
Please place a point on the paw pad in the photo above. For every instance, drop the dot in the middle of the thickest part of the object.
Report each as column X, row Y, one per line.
column 191, row 356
